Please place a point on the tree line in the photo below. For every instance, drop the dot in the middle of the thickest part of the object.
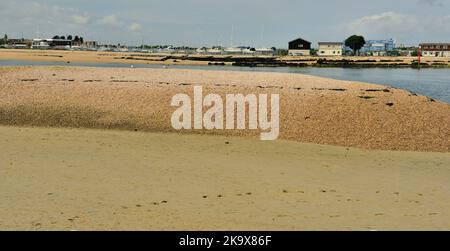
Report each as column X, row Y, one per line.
column 71, row 38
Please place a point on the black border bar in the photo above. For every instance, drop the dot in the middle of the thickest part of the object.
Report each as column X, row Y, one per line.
column 223, row 240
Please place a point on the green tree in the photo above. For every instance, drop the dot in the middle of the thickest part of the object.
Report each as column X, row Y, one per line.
column 56, row 37
column 355, row 42
column 69, row 37
column 415, row 53
column 4, row 40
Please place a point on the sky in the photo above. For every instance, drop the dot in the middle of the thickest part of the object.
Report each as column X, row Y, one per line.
column 255, row 23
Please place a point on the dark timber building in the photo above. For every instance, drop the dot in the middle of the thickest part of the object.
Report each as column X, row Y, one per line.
column 299, row 47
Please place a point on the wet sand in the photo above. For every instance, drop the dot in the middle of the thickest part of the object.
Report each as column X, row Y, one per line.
column 313, row 110
column 72, row 179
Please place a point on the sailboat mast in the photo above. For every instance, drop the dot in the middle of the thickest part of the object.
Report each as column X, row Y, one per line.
column 232, row 34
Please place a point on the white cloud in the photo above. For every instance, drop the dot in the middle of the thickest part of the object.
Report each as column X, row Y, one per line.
column 111, row 20
column 33, row 19
column 80, row 19
column 400, row 26
column 387, row 23
column 135, row 27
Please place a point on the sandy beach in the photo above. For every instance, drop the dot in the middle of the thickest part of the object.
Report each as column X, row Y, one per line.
column 64, row 179
column 93, row 149
column 93, row 57
column 313, row 109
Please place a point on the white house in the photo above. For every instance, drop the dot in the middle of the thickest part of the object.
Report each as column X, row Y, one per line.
column 330, row 49
column 435, row 49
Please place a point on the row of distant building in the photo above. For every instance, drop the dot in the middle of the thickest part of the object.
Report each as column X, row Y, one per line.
column 297, row 47
column 68, row 44
column 302, row 47
column 50, row 43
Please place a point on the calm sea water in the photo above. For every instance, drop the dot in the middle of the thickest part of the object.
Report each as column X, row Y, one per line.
column 433, row 83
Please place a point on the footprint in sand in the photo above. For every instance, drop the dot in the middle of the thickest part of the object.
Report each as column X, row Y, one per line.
column 366, row 97
column 374, row 90
column 124, row 81
column 222, row 196
column 91, row 81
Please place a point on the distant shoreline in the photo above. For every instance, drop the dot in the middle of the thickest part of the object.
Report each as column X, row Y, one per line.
column 135, row 58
